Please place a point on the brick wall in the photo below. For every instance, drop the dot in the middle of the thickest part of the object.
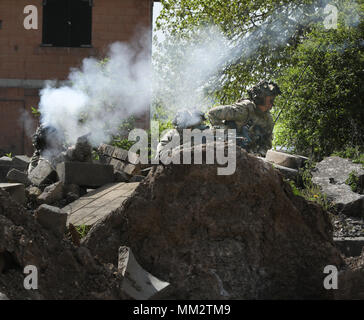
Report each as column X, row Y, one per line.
column 23, row 57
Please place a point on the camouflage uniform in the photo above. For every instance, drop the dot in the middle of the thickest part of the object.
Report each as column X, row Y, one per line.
column 184, row 120
column 251, row 124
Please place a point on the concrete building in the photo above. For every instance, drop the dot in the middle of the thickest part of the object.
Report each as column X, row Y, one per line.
column 67, row 32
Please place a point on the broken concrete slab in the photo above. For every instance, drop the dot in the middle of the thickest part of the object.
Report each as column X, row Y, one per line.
column 288, row 173
column 15, row 175
column 330, row 175
column 97, row 204
column 132, row 169
column 51, row 193
column 120, row 176
column 120, row 154
column 106, row 149
column 6, row 161
column 52, row 218
column 138, row 283
column 21, row 161
column 85, row 174
column 136, row 178
column 284, row 159
column 43, row 173
column 349, row 246
column 16, row 191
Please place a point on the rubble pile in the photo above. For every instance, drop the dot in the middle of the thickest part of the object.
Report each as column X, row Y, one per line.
column 68, row 175
column 183, row 232
column 65, row 271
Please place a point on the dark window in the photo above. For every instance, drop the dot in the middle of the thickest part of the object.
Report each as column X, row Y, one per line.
column 67, row 23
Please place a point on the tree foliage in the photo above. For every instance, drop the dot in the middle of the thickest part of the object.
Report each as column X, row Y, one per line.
column 320, row 71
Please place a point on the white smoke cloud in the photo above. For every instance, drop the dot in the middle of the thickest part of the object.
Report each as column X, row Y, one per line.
column 101, row 95
column 196, row 61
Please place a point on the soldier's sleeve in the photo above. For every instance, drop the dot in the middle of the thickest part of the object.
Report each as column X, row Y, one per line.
column 228, row 112
column 268, row 137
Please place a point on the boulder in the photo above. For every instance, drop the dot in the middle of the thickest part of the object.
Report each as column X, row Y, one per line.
column 64, row 271
column 330, row 175
column 239, row 236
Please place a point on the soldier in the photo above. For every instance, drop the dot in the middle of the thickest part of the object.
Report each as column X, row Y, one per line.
column 250, row 117
column 184, row 119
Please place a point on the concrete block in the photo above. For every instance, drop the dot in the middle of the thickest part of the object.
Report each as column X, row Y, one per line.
column 138, row 283
column 6, row 161
column 52, row 218
column 15, row 175
column 42, row 174
column 117, row 164
column 106, row 149
column 21, row 161
column 132, row 169
column 136, row 178
column 105, row 159
column 284, row 159
column 52, row 193
column 120, row 176
column 16, row 191
column 85, row 174
column 120, row 154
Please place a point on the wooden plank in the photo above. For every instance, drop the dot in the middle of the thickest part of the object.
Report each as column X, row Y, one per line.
column 90, row 197
column 100, row 212
column 98, row 204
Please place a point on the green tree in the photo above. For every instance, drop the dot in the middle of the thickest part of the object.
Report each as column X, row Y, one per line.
column 325, row 112
column 320, row 71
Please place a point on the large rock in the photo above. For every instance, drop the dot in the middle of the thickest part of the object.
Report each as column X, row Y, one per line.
column 239, row 236
column 331, row 174
column 64, row 271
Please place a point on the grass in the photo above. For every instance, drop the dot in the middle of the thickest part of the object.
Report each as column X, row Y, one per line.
column 83, row 230
column 310, row 191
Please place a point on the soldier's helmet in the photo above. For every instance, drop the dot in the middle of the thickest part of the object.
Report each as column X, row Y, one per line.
column 264, row 88
column 187, row 119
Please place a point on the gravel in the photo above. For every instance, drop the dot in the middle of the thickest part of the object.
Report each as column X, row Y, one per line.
column 345, row 226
